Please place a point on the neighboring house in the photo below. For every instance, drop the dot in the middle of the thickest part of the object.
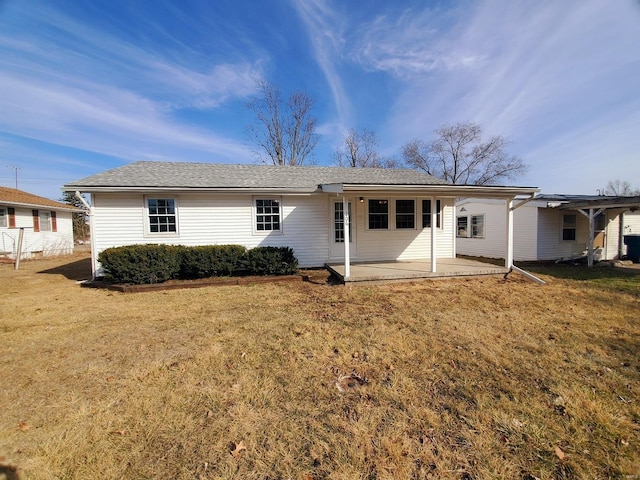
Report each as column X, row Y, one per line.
column 46, row 225
column 390, row 212
column 549, row 227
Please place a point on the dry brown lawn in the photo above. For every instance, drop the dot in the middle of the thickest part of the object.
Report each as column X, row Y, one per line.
column 449, row 379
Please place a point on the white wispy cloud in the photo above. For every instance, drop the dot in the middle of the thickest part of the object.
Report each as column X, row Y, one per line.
column 324, row 27
column 69, row 84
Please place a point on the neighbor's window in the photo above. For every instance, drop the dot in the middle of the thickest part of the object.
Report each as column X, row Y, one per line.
column 162, row 215
column 3, row 218
column 569, row 227
column 463, row 227
column 45, row 221
column 405, row 214
column 477, row 226
column 378, row 214
column 426, row 213
column 267, row 214
column 471, row 226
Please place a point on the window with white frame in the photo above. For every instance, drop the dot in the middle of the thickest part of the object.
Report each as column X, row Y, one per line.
column 267, row 214
column 471, row 226
column 405, row 214
column 477, row 226
column 463, row 227
column 569, row 224
column 378, row 214
column 162, row 214
column 426, row 213
column 3, row 218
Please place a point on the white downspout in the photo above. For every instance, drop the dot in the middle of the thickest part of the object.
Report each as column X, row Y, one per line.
column 91, row 232
column 346, row 222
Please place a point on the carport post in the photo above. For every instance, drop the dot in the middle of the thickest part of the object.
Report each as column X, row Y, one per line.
column 346, row 221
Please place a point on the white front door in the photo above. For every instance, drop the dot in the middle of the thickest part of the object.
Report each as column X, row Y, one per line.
column 337, row 230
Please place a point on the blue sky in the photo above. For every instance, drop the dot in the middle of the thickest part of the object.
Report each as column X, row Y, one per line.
column 90, row 85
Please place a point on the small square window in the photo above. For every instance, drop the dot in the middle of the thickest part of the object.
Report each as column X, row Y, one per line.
column 267, row 214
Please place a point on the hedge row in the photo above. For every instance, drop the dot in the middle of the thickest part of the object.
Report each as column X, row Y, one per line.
column 151, row 263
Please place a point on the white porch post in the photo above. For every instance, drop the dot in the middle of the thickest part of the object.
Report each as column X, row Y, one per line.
column 347, row 222
column 434, row 219
column 591, row 237
column 508, row 260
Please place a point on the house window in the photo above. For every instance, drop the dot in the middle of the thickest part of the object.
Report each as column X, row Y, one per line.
column 477, row 226
column 45, row 221
column 162, row 215
column 569, row 227
column 267, row 214
column 470, row 227
column 463, row 227
column 600, row 222
column 378, row 214
column 405, row 214
column 338, row 223
column 3, row 218
column 426, row 213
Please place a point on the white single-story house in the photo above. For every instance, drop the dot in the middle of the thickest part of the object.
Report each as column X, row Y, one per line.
column 326, row 214
column 32, row 226
column 548, row 227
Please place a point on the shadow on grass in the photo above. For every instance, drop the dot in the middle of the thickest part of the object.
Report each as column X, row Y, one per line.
column 77, row 270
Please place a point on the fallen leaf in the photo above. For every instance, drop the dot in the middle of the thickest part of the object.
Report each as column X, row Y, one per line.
column 239, row 448
column 22, row 426
column 559, row 453
column 118, row 432
column 110, row 378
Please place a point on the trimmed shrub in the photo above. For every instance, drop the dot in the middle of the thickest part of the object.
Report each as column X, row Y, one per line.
column 211, row 260
column 271, row 261
column 138, row 264
column 151, row 263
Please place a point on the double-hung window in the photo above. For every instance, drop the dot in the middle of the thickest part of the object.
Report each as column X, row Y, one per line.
column 162, row 215
column 3, row 218
column 378, row 214
column 426, row 213
column 477, row 226
column 463, row 227
column 569, row 223
column 405, row 214
column 267, row 214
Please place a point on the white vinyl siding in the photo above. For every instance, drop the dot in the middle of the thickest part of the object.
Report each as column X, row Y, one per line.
column 205, row 219
column 42, row 243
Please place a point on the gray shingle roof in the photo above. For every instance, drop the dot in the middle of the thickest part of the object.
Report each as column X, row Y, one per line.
column 215, row 175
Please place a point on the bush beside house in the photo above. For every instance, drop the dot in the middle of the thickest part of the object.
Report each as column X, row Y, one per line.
column 152, row 263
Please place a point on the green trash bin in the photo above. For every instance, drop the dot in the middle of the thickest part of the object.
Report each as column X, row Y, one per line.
column 633, row 247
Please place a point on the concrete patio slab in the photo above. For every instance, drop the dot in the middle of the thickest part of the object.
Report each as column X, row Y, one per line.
column 407, row 270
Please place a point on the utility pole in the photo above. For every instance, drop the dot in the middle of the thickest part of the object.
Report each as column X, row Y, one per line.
column 15, row 170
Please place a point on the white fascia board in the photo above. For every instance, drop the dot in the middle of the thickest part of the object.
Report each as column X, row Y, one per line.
column 228, row 190
column 446, row 190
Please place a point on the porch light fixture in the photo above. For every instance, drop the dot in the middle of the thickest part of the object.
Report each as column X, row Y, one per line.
column 361, row 199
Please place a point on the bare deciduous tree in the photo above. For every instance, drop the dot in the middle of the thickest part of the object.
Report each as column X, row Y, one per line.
column 459, row 155
column 620, row 188
column 360, row 151
column 283, row 134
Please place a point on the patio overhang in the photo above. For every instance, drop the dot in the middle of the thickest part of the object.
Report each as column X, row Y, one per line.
column 433, row 191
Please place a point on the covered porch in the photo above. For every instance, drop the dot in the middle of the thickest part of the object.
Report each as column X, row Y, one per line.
column 413, row 269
